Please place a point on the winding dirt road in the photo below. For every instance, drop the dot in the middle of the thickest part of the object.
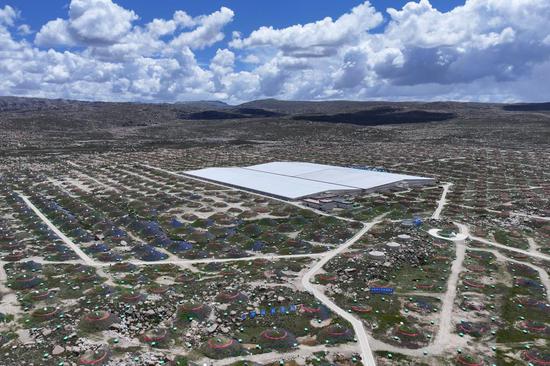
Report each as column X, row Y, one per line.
column 362, row 337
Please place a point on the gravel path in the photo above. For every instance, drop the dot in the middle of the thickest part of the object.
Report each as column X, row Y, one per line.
column 366, row 352
column 543, row 275
column 85, row 258
column 442, row 201
column 512, row 249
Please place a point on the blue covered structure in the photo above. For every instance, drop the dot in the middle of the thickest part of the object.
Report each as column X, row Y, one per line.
column 179, row 246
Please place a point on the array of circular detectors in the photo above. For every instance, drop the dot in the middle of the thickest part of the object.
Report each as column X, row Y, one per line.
column 26, row 281
column 191, row 311
column 317, row 311
column 11, row 246
column 534, row 304
column 534, row 326
column 409, row 333
column 14, row 256
column 45, row 313
column 472, row 303
column 123, row 267
column 473, row 329
column 537, row 357
column 148, row 253
column 361, row 309
column 213, row 267
column 179, row 247
column 97, row 248
column 30, row 266
column 422, row 306
column 155, row 336
column 157, row 289
column 522, row 269
column 472, row 283
column 98, row 320
column 425, row 285
column 102, row 290
column 109, row 257
column 96, row 357
column 528, row 283
column 86, row 275
column 335, row 333
column 468, row 360
column 476, row 268
column 37, row 295
column 222, row 347
column 277, row 338
column 326, row 277
column 131, row 296
column 229, row 273
column 231, row 297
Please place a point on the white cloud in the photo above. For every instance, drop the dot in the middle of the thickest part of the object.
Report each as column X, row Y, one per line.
column 222, row 63
column 99, row 21
column 485, row 49
column 161, row 27
column 8, row 15
column 91, row 22
column 24, row 29
column 482, row 39
column 251, row 59
column 55, row 32
column 208, row 32
column 321, row 38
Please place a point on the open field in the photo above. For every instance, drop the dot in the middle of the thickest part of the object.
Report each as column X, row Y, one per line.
column 109, row 254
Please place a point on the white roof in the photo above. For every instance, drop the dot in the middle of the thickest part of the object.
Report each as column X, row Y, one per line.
column 291, row 168
column 294, row 180
column 272, row 184
column 350, row 177
column 377, row 253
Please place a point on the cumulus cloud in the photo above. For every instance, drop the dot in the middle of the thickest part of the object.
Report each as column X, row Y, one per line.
column 320, row 38
column 208, row 32
column 483, row 38
column 24, row 29
column 91, row 22
column 132, row 62
column 487, row 50
column 99, row 21
column 162, row 27
column 223, row 62
column 55, row 32
column 8, row 15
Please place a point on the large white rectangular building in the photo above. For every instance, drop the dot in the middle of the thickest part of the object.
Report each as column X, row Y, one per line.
column 296, row 180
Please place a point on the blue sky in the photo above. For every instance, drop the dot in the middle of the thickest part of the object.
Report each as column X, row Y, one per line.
column 172, row 50
column 250, row 14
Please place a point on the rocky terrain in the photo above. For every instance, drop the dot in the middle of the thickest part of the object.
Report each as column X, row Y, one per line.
column 109, row 255
column 29, row 125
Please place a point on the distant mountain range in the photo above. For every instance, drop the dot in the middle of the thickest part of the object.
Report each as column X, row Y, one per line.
column 206, row 104
column 39, row 126
column 67, row 114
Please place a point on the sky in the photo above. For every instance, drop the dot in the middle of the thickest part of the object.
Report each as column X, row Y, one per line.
column 241, row 50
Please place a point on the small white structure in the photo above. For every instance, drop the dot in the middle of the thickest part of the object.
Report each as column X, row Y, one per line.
column 403, row 237
column 296, row 180
column 377, row 255
column 393, row 245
